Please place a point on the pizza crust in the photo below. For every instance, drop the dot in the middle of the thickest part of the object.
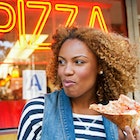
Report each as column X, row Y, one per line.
column 122, row 120
column 122, row 112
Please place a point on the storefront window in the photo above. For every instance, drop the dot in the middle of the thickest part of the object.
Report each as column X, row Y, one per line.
column 26, row 28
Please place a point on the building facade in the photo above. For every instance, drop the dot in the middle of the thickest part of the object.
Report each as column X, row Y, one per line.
column 26, row 27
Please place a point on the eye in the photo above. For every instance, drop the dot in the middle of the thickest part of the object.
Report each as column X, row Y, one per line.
column 79, row 61
column 61, row 62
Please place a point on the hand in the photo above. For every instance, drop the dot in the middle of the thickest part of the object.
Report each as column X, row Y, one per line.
column 132, row 136
column 129, row 135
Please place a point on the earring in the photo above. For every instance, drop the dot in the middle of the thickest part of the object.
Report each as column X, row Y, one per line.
column 101, row 72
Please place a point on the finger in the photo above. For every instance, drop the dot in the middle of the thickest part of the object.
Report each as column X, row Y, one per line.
column 137, row 133
column 129, row 133
column 122, row 135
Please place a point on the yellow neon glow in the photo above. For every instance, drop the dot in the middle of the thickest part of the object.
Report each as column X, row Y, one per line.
column 43, row 18
column 19, row 53
column 31, row 47
column 96, row 12
column 43, row 48
column 73, row 9
column 21, row 23
column 12, row 17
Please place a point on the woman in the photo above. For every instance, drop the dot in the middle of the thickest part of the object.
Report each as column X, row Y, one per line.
column 88, row 66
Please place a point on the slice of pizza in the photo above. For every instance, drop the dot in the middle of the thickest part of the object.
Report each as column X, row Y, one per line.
column 122, row 112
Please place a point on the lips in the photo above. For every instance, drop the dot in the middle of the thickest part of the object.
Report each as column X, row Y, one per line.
column 68, row 83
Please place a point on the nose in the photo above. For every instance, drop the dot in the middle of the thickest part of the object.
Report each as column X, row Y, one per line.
column 69, row 70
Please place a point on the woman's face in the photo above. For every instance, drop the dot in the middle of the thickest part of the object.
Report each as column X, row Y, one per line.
column 77, row 68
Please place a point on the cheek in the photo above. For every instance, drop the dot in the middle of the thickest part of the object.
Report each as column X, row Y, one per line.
column 59, row 72
column 87, row 73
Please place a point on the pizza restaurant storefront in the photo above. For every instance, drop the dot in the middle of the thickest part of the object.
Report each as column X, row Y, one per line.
column 26, row 27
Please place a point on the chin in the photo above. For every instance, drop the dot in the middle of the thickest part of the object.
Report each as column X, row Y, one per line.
column 70, row 93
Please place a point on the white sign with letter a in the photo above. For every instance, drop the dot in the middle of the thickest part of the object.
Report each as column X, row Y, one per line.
column 34, row 83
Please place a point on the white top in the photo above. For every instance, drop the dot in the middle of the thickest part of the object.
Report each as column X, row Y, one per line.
column 89, row 127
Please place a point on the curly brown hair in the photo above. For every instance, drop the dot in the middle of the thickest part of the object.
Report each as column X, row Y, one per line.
column 115, row 55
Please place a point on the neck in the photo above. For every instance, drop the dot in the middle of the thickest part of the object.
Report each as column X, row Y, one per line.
column 81, row 105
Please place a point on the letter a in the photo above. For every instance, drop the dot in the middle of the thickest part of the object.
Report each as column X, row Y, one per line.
column 97, row 14
column 35, row 82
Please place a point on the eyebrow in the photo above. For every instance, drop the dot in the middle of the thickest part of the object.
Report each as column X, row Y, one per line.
column 74, row 57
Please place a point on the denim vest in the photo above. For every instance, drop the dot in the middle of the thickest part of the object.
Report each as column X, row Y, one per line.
column 58, row 119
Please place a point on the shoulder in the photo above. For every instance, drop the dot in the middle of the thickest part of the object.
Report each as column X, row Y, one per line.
column 31, row 119
column 35, row 103
column 34, row 106
column 30, row 126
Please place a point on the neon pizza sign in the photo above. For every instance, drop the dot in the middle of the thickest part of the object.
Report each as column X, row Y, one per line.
column 46, row 7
